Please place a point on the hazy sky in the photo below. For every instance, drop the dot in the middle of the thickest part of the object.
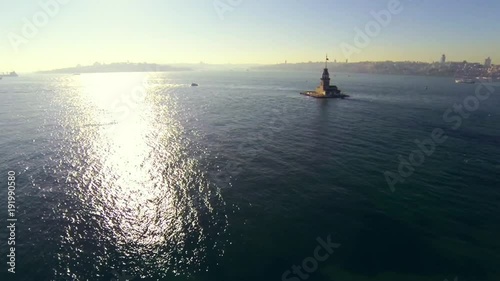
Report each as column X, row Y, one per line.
column 247, row 31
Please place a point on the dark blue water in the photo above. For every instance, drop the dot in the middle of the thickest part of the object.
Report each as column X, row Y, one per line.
column 242, row 178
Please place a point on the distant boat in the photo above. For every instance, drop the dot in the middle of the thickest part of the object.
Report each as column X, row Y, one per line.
column 194, row 85
column 11, row 74
column 465, row 81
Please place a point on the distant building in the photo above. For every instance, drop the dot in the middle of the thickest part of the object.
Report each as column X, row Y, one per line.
column 487, row 62
column 443, row 59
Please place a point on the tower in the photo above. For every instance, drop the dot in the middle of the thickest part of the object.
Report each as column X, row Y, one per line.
column 487, row 62
column 325, row 78
column 443, row 59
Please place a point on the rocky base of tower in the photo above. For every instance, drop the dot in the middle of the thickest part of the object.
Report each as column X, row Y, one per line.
column 317, row 95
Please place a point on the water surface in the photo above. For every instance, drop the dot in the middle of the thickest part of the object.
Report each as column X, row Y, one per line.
column 142, row 175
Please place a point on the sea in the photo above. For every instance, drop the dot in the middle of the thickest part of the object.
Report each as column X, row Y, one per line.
column 139, row 176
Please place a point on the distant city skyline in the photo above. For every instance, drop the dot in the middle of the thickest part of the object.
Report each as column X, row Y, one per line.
column 49, row 34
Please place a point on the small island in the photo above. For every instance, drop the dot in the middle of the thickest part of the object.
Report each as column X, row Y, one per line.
column 325, row 90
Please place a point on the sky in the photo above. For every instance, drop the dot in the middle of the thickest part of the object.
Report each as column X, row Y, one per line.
column 48, row 34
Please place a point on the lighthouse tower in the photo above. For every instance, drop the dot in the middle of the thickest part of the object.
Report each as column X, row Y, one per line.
column 325, row 90
column 325, row 80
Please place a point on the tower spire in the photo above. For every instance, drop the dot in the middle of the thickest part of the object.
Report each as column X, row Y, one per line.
column 326, row 61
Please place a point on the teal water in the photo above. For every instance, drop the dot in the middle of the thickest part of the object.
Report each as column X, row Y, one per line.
column 140, row 175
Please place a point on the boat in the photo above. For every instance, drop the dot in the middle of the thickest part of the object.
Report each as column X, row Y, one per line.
column 487, row 79
column 463, row 76
column 325, row 90
column 194, row 85
column 11, row 74
column 465, row 81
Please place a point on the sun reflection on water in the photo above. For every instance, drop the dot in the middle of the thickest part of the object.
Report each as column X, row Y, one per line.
column 142, row 194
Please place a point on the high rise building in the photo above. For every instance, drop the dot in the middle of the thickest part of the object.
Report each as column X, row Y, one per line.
column 487, row 62
column 443, row 59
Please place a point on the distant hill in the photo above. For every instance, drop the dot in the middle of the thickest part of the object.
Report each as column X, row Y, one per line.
column 384, row 67
column 217, row 67
column 118, row 67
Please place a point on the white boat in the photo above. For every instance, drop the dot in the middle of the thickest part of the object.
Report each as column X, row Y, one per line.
column 465, row 81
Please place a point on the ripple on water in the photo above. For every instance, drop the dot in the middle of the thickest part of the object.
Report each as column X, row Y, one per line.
column 138, row 195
